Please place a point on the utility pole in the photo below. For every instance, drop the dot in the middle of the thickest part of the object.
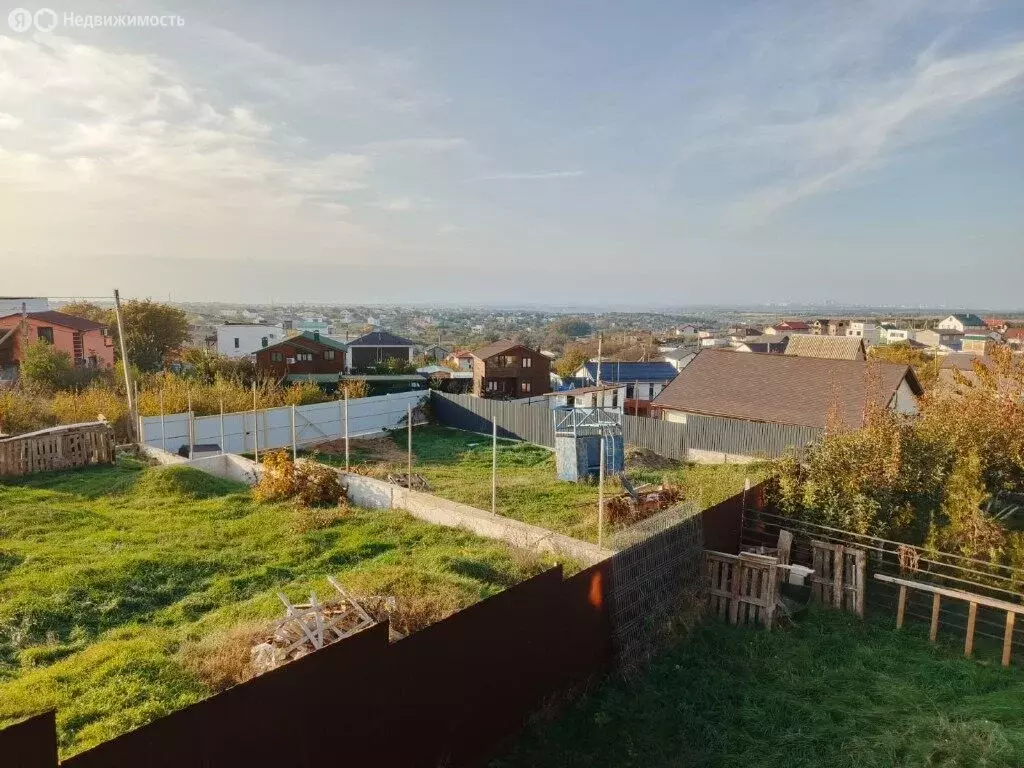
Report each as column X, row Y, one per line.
column 599, row 358
column 494, row 467
column 600, row 496
column 129, row 391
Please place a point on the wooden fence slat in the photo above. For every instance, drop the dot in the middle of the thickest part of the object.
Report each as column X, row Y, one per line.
column 933, row 632
column 901, row 607
column 972, row 617
column 1008, row 638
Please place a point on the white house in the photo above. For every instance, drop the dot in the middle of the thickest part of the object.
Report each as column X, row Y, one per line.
column 609, row 396
column 964, row 322
column 708, row 341
column 864, row 330
column 241, row 339
column 890, row 334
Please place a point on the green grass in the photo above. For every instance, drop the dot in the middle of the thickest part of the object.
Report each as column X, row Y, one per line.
column 831, row 691
column 458, row 467
column 105, row 572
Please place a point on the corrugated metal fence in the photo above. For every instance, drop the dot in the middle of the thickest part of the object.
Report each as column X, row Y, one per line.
column 533, row 423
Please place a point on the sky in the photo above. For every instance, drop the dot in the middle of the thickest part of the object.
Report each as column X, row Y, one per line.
column 556, row 151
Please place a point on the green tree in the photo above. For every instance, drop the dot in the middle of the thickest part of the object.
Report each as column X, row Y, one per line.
column 154, row 332
column 45, row 368
column 925, row 366
column 89, row 311
column 570, row 361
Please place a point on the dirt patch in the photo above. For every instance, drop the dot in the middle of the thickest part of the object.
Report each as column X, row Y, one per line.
column 382, row 448
column 644, row 458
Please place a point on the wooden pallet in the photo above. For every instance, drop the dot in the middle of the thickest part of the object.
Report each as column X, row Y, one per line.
column 839, row 575
column 743, row 588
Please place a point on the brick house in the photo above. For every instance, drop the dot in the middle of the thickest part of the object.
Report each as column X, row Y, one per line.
column 305, row 353
column 507, row 370
column 88, row 344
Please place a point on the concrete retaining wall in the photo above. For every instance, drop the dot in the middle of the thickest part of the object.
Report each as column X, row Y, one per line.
column 228, row 466
column 377, row 494
column 717, row 457
column 371, row 493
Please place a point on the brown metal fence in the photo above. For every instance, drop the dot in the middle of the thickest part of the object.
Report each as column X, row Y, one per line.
column 533, row 423
column 909, row 562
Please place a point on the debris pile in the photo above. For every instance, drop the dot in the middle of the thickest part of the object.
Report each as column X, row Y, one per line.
column 419, row 482
column 645, row 458
column 640, row 503
column 310, row 626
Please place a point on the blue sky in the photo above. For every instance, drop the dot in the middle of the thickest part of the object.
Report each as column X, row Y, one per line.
column 676, row 153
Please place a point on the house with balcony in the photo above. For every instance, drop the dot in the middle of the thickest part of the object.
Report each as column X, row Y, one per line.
column 378, row 348
column 88, row 344
column 305, row 356
column 507, row 370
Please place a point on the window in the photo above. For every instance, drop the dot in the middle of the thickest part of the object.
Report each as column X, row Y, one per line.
column 46, row 334
column 524, row 386
column 303, row 357
column 236, row 342
column 527, row 362
column 264, row 341
column 506, row 360
column 276, row 357
column 650, row 391
column 629, row 392
column 492, row 386
column 328, row 354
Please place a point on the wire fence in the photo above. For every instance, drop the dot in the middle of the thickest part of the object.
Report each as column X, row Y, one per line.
column 905, row 561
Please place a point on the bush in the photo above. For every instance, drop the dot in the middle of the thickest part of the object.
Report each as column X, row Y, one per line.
column 45, row 368
column 91, row 404
column 24, row 412
column 309, row 483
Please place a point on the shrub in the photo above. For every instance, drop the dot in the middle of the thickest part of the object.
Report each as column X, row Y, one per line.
column 309, row 483
column 304, row 393
column 24, row 412
column 91, row 404
column 278, row 479
column 45, row 368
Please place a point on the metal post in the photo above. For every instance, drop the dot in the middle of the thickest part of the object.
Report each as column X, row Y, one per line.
column 636, row 398
column 295, row 449
column 191, row 428
column 409, row 418
column 163, row 430
column 222, row 424
column 600, row 497
column 598, row 359
column 129, row 391
column 255, row 427
column 494, row 467
column 346, row 429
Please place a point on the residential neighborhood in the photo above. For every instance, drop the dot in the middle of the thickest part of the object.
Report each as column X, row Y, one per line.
column 512, row 385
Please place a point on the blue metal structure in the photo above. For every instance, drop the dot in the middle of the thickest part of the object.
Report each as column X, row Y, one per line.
column 578, row 434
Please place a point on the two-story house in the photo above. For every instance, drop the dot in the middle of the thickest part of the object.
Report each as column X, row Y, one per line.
column 87, row 343
column 508, row 370
column 644, row 381
column 306, row 355
column 964, row 322
column 242, row 339
column 377, row 348
column 940, row 339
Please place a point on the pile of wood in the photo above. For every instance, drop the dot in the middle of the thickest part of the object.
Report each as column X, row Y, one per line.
column 644, row 501
column 308, row 627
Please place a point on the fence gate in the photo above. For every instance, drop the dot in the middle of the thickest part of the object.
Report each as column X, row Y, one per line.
column 743, row 587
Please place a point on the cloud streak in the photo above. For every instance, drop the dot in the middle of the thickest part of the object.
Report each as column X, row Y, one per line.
column 535, row 176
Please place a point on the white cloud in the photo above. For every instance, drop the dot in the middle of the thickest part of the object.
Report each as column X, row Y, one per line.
column 825, row 152
column 536, row 176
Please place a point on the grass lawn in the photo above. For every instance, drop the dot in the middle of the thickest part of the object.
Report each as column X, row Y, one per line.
column 832, row 691
column 458, row 467
column 107, row 574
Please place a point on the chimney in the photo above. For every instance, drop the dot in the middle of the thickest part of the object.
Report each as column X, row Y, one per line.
column 316, row 335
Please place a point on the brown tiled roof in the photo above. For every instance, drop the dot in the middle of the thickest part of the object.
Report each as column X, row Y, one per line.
column 827, row 347
column 782, row 389
column 496, row 348
column 62, row 319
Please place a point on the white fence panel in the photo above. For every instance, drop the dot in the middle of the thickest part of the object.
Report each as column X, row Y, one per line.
column 272, row 427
